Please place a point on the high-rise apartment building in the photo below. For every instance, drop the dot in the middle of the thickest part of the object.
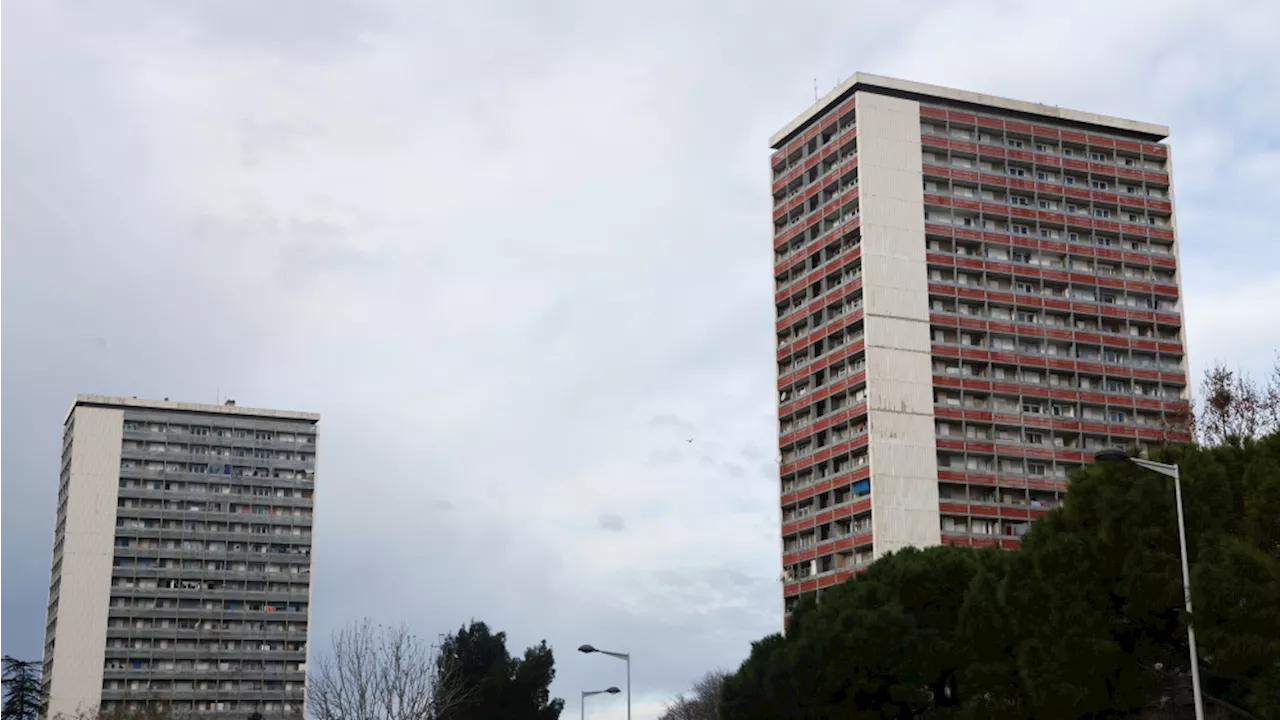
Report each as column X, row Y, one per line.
column 181, row 559
column 973, row 294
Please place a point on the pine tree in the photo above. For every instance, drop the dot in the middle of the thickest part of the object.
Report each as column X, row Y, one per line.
column 24, row 697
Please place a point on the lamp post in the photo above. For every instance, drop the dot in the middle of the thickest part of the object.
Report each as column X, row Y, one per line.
column 621, row 656
column 1118, row 455
column 588, row 693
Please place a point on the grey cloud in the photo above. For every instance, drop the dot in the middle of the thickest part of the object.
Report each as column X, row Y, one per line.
column 260, row 139
column 671, row 421
column 611, row 522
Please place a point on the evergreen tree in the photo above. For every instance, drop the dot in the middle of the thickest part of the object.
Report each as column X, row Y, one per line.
column 495, row 684
column 24, row 697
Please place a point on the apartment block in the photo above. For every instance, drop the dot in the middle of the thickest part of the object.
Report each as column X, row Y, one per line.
column 181, row 559
column 973, row 294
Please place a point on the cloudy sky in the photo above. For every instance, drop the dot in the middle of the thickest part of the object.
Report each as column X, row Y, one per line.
column 516, row 254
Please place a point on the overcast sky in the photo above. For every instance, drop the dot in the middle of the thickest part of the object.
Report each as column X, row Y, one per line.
column 516, row 254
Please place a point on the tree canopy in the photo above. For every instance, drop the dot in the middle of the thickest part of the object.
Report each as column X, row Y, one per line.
column 495, row 684
column 1086, row 619
column 24, row 697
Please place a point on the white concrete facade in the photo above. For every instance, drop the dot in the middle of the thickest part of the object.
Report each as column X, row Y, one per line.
column 85, row 573
column 900, row 420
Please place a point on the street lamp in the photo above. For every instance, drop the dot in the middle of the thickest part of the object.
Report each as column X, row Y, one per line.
column 1118, row 455
column 622, row 656
column 588, row 693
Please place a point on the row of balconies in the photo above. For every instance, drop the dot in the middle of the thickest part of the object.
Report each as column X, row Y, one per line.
column 1075, row 245
column 212, row 453
column 811, row 538
column 1019, row 163
column 1002, row 217
column 1024, row 150
column 1133, row 365
column 809, row 170
column 135, row 428
column 801, row 252
column 231, row 633
column 220, row 612
column 179, row 594
column 805, row 172
column 1078, row 263
column 797, row 388
column 841, row 209
column 177, row 493
column 835, row 185
column 995, row 294
column 834, row 123
column 243, row 669
column 125, row 528
column 1037, row 152
column 271, row 514
column 299, row 552
column 1039, row 133
column 1001, row 285
column 835, row 256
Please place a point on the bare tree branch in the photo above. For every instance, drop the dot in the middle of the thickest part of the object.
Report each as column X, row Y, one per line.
column 380, row 673
column 702, row 704
column 1233, row 406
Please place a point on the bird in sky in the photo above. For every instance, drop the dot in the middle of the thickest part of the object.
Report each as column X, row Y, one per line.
column 689, row 440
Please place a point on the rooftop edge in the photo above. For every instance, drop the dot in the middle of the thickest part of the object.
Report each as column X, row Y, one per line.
column 869, row 82
column 108, row 401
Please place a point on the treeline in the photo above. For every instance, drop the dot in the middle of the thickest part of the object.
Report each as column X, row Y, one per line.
column 1084, row 620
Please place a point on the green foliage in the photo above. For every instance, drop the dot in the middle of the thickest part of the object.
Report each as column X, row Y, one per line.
column 24, row 697
column 1085, row 620
column 493, row 683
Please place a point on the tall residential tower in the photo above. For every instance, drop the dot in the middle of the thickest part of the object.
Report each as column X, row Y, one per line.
column 973, row 294
column 181, row 559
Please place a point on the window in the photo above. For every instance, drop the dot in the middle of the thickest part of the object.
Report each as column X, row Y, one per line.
column 1098, row 185
column 1041, row 147
column 1017, row 172
column 1025, row 288
column 1131, row 189
column 1130, row 162
column 1103, row 241
column 1044, row 232
column 1035, row 468
column 1022, row 257
column 1015, row 200
column 1068, row 152
column 1133, row 218
column 1032, row 408
column 1042, row 176
column 1035, row 438
column 1069, row 180
column 1116, row 416
column 1074, row 237
column 1015, row 143
column 1043, row 204
column 1021, row 230
column 1071, row 207
column 1101, row 212
column 1100, row 157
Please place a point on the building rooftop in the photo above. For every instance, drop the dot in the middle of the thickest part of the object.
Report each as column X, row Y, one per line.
column 915, row 90
column 229, row 408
